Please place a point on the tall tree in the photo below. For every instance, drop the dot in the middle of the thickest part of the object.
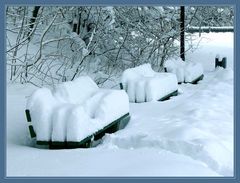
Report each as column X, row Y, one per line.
column 32, row 20
column 182, row 32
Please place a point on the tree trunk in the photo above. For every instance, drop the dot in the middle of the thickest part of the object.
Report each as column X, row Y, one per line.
column 182, row 31
column 33, row 19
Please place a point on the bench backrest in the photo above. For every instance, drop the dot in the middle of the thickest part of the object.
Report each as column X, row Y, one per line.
column 76, row 91
column 144, row 70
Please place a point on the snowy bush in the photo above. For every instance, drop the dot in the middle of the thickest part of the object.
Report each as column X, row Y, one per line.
column 74, row 110
column 142, row 84
column 46, row 45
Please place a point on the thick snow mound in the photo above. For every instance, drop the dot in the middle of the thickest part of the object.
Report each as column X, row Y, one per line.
column 74, row 110
column 142, row 84
column 192, row 71
column 115, row 102
column 41, row 104
column 185, row 71
column 76, row 91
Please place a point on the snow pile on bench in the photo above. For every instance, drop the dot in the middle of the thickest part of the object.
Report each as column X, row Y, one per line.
column 142, row 84
column 185, row 71
column 76, row 91
column 74, row 110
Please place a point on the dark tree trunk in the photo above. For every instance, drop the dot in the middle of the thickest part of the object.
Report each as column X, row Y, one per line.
column 79, row 23
column 75, row 27
column 182, row 31
column 33, row 19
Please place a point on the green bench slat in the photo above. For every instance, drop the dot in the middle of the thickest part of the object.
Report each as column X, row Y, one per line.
column 28, row 116
column 195, row 81
column 32, row 132
column 175, row 93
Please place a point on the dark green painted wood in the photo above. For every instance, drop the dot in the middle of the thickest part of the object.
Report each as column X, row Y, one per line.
column 175, row 93
column 28, row 116
column 72, row 145
column 196, row 80
column 39, row 142
column 121, row 86
column 32, row 132
column 123, row 123
column 57, row 145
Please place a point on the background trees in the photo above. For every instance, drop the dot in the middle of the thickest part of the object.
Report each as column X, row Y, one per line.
column 210, row 16
column 47, row 45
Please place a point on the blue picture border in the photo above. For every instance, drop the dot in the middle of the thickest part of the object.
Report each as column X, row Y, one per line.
column 236, row 178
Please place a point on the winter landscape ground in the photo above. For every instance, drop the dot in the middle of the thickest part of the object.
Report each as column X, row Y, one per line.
column 191, row 134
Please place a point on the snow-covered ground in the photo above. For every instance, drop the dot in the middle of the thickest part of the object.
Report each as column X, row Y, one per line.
column 189, row 135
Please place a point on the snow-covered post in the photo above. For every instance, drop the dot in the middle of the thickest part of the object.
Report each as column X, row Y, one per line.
column 182, row 31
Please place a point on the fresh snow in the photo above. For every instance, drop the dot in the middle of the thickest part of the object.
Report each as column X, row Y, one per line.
column 192, row 71
column 186, row 71
column 217, row 44
column 142, row 84
column 76, row 91
column 189, row 135
column 74, row 110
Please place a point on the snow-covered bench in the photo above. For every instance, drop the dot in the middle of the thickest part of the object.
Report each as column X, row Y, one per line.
column 142, row 84
column 186, row 72
column 76, row 113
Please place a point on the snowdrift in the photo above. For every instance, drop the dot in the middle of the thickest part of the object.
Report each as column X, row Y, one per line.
column 142, row 84
column 186, row 72
column 75, row 113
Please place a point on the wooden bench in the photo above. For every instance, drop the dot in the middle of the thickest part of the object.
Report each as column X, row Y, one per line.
column 89, row 141
column 143, row 84
column 51, row 114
